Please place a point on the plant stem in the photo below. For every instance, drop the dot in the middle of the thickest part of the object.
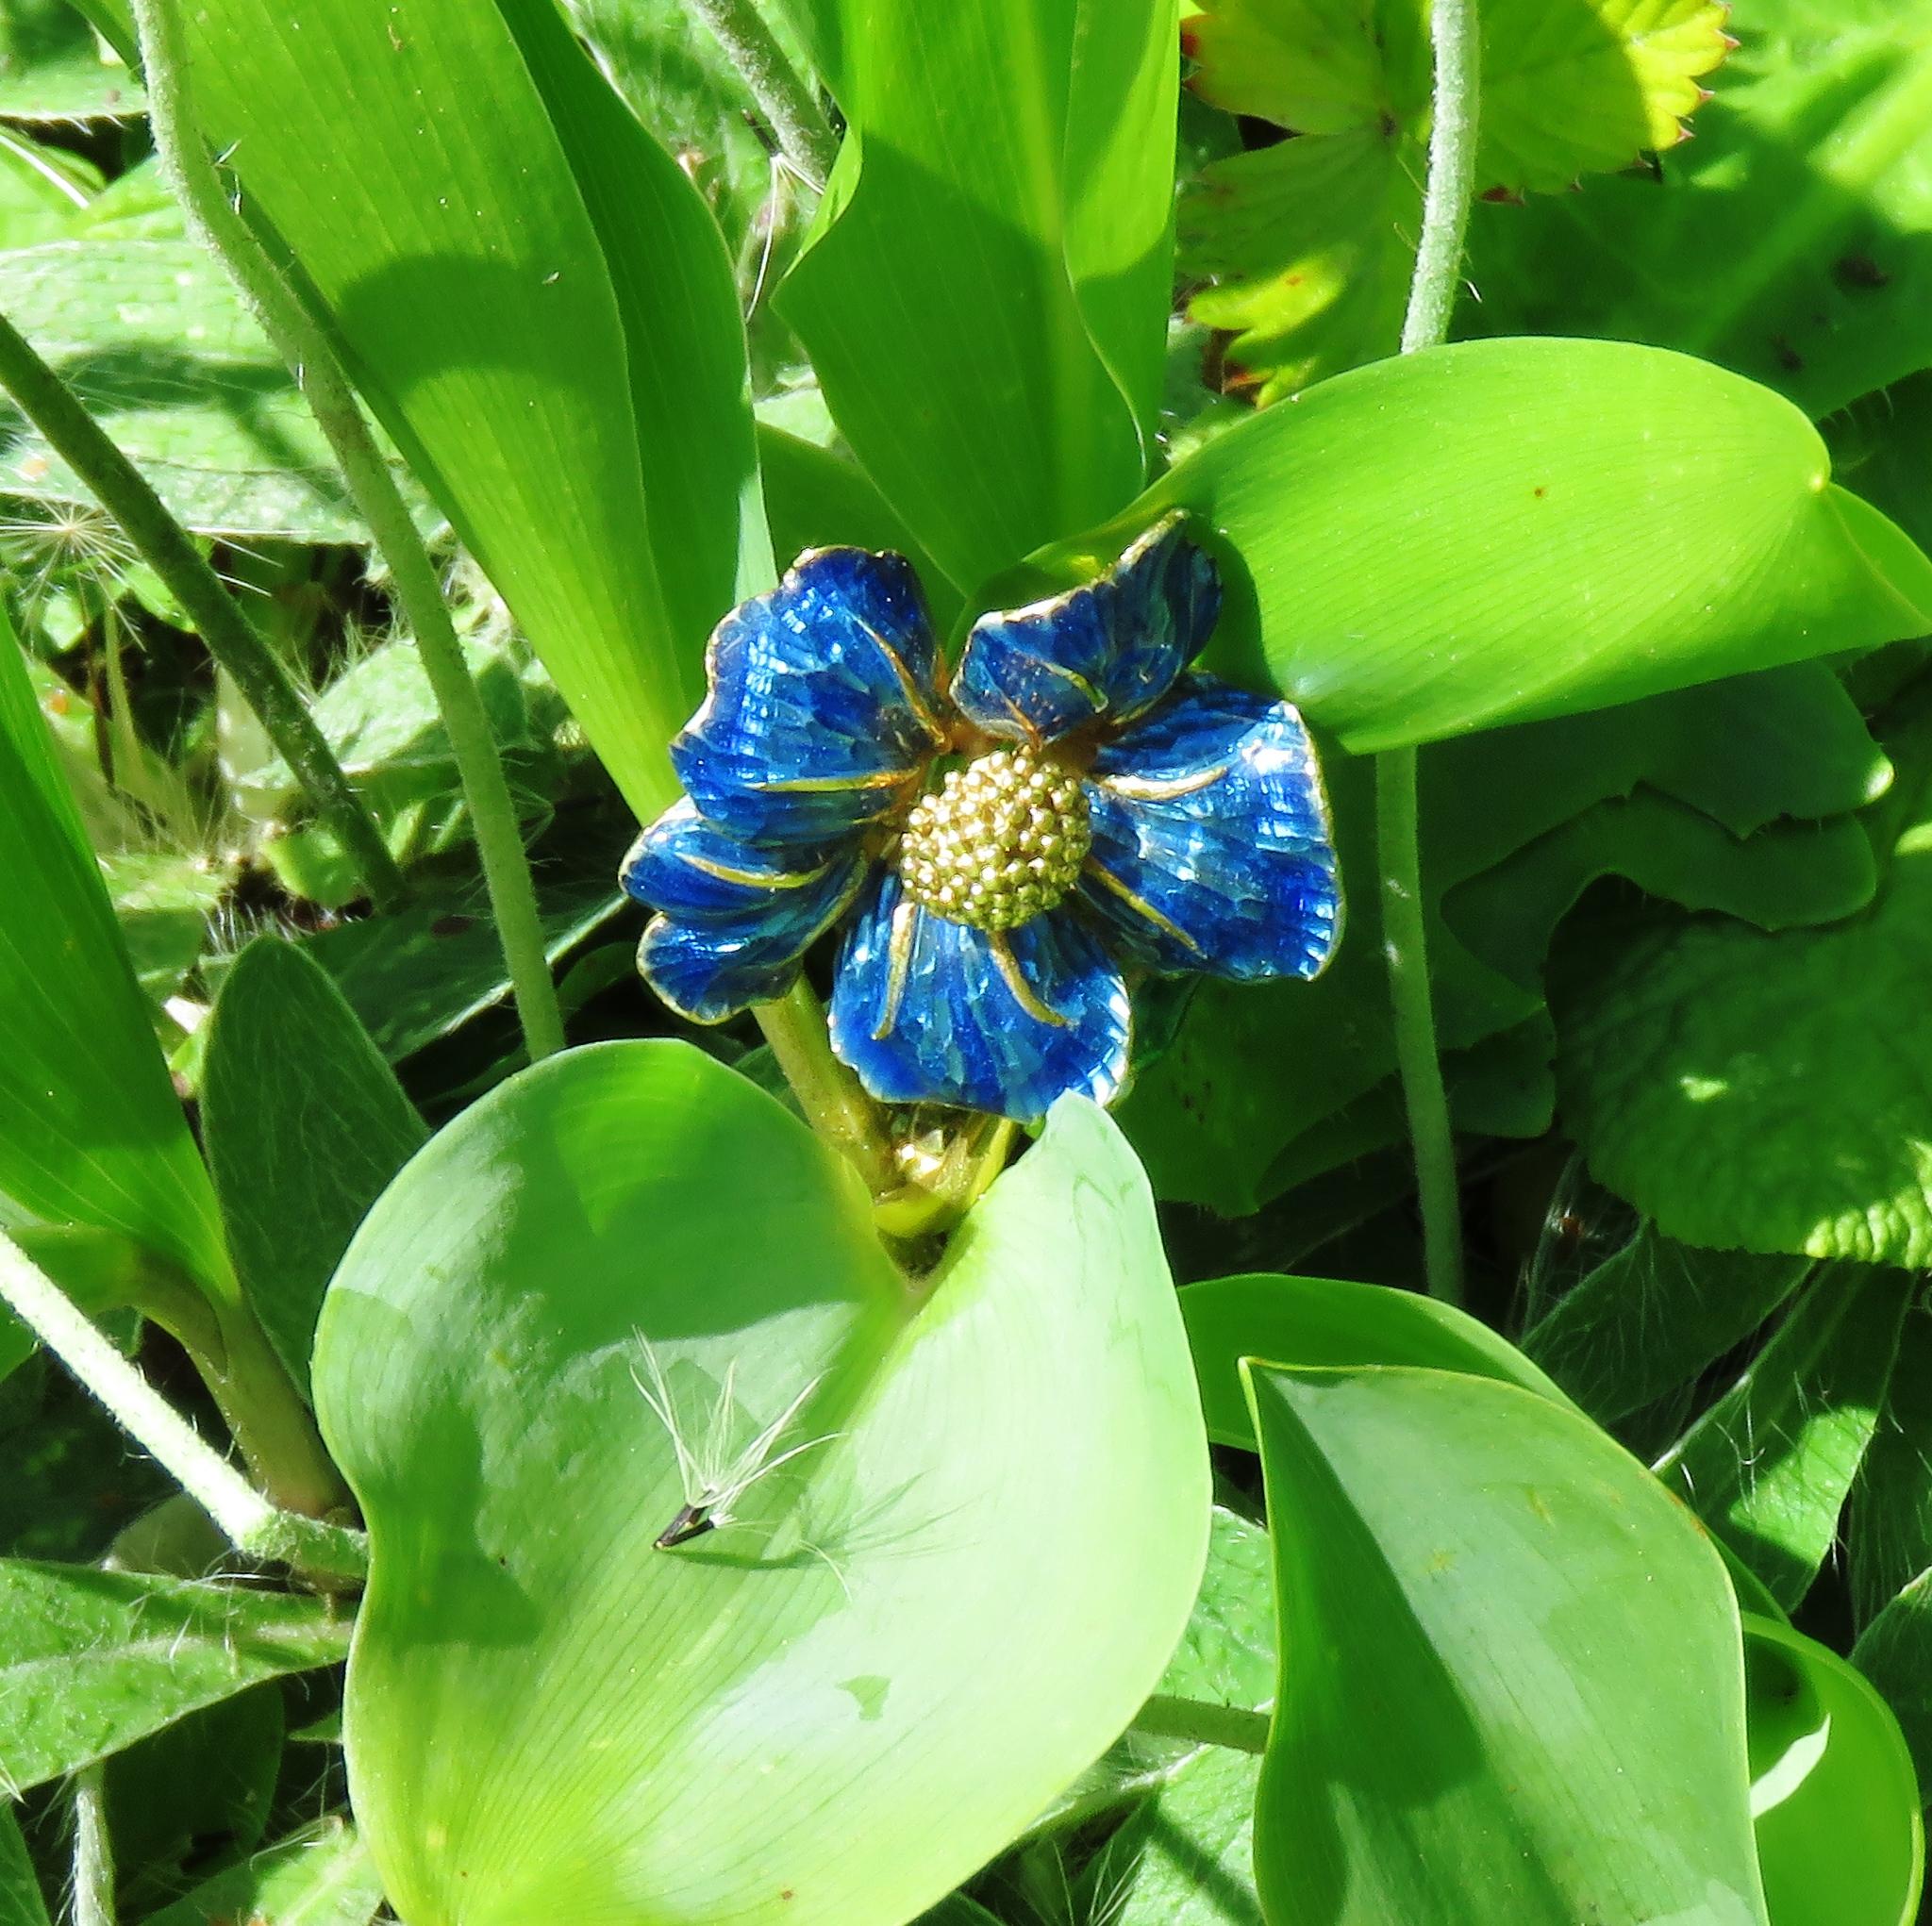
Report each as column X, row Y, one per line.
column 1454, row 33
column 311, row 358
column 93, row 1851
column 249, row 1520
column 230, row 637
column 804, row 132
column 1233, row 1726
column 834, row 1103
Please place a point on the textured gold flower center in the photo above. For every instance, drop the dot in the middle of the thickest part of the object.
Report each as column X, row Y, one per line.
column 998, row 841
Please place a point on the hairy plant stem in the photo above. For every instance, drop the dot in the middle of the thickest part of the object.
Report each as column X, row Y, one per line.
column 1233, row 1726
column 93, row 1851
column 329, row 1553
column 231, row 638
column 835, row 1104
column 803, row 133
column 310, row 356
column 1455, row 37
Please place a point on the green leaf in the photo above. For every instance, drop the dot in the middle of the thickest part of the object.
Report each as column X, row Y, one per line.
column 319, row 1877
column 1706, row 1066
column 91, row 1131
column 1788, row 240
column 1186, row 1857
column 414, row 977
column 1504, row 530
column 535, row 301
column 154, row 339
column 1516, row 824
column 1770, row 1465
column 1834, row 1798
column 1888, row 1537
column 1425, row 1523
column 1652, row 1317
column 305, row 1125
column 818, row 499
column 21, row 1903
column 1322, row 1321
column 1225, row 1657
column 53, row 69
column 1895, row 1652
column 1312, row 239
column 91, row 1661
column 193, row 1797
column 986, row 303
column 477, row 1373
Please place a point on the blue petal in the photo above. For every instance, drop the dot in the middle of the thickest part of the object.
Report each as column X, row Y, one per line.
column 821, row 712
column 734, row 919
column 934, row 1017
column 1111, row 648
column 1211, row 844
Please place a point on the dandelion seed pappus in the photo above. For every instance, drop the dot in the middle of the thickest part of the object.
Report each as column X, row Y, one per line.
column 713, row 1477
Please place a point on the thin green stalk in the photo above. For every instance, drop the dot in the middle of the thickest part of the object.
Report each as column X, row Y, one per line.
column 804, row 132
column 93, row 1851
column 231, row 638
column 1233, row 1726
column 1455, row 37
column 254, row 1526
column 835, row 1104
column 312, row 357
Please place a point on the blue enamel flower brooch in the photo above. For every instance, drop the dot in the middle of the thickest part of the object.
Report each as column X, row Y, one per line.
column 1074, row 805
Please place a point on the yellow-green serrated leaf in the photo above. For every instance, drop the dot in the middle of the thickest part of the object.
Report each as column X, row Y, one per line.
column 1309, row 242
column 1574, row 87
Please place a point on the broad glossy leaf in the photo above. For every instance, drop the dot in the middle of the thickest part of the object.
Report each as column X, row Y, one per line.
column 1834, row 1800
column 91, row 1661
column 21, row 1903
column 475, row 1374
column 1503, row 530
column 91, row 1131
column 1706, row 1066
column 1652, row 1317
column 539, row 308
column 304, row 1123
column 1789, row 240
column 1314, row 238
column 1322, row 1321
column 152, row 335
column 1425, row 1523
column 318, row 1877
column 1770, row 1465
column 987, row 304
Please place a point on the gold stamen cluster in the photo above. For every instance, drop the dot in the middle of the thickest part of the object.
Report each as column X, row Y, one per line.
column 997, row 843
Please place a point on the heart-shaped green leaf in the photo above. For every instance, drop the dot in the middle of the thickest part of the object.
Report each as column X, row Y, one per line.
column 948, row 1605
column 1531, row 1700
